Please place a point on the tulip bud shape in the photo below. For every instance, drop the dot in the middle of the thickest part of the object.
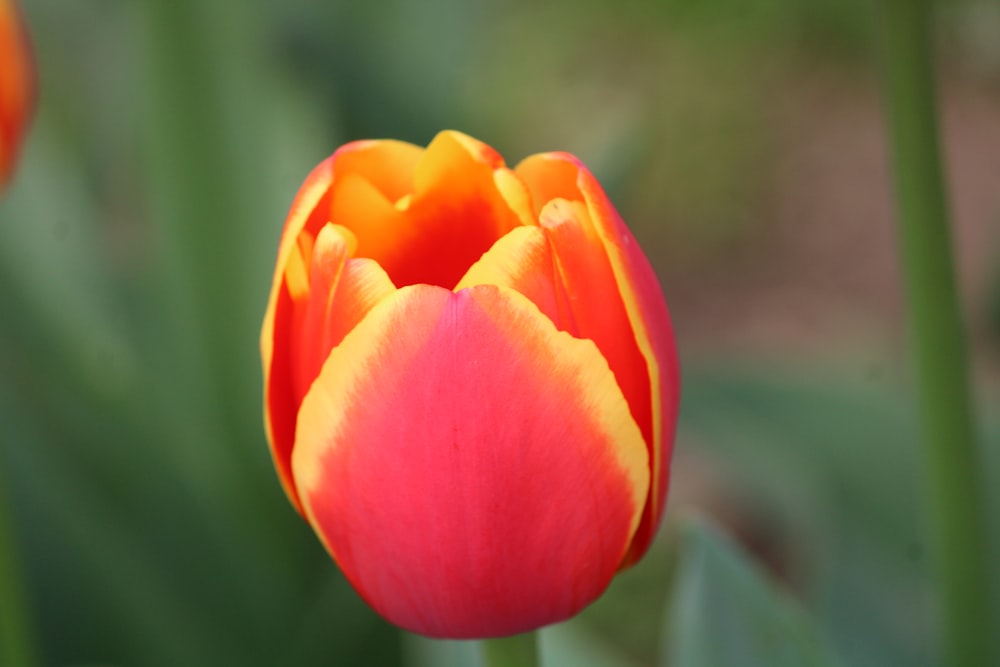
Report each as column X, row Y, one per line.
column 471, row 383
column 17, row 86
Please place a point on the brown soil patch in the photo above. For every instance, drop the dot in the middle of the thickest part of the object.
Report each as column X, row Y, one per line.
column 821, row 272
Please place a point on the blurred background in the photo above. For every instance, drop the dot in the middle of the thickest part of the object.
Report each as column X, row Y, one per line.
column 743, row 142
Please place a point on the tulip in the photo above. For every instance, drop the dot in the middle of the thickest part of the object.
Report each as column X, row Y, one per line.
column 17, row 86
column 471, row 383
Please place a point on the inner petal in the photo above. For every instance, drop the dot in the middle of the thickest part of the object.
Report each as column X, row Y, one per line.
column 455, row 212
column 523, row 260
column 388, row 165
column 342, row 291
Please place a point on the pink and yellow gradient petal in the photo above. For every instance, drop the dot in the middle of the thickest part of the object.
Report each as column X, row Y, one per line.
column 453, row 513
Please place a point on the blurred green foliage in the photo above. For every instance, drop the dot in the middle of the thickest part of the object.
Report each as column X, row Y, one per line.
column 135, row 258
column 719, row 595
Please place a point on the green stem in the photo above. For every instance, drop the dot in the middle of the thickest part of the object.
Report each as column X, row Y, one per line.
column 16, row 647
column 517, row 651
column 954, row 488
column 201, row 203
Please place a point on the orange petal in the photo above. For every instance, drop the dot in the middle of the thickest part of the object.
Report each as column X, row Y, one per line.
column 512, row 189
column 387, row 164
column 549, row 176
column 552, row 176
column 475, row 472
column 523, row 261
column 342, row 291
column 310, row 208
column 380, row 228
column 454, row 214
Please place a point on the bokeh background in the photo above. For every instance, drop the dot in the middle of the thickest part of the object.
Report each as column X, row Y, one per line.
column 743, row 142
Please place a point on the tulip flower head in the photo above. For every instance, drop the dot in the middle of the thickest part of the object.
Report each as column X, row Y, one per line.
column 17, row 86
column 471, row 383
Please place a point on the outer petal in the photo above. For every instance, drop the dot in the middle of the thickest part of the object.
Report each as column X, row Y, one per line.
column 552, row 176
column 563, row 268
column 474, row 472
column 387, row 164
column 340, row 293
column 17, row 85
column 596, row 304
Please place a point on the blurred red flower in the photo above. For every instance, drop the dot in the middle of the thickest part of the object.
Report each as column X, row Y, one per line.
column 17, row 86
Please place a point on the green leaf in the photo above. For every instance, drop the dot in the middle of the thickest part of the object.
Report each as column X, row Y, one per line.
column 724, row 612
column 830, row 470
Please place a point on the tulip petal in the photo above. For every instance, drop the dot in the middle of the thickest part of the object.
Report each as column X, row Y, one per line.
column 647, row 309
column 515, row 194
column 523, row 261
column 595, row 302
column 340, row 293
column 425, row 215
column 455, row 213
column 387, row 164
column 309, row 209
column 551, row 176
column 380, row 228
column 473, row 471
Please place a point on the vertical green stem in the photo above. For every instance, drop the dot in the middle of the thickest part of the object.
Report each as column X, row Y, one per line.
column 954, row 489
column 202, row 204
column 517, row 651
column 16, row 647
